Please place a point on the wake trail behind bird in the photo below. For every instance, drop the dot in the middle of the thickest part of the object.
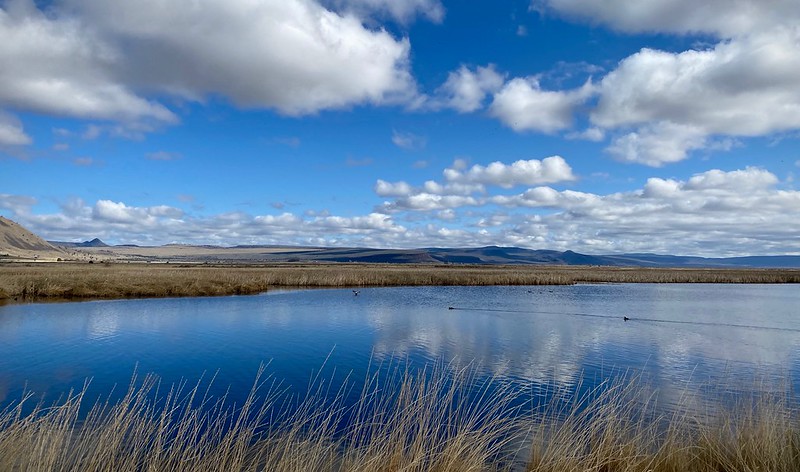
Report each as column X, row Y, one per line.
column 630, row 318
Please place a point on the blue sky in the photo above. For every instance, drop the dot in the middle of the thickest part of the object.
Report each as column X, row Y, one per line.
column 595, row 126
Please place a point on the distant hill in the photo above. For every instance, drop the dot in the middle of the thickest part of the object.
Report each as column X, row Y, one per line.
column 515, row 255
column 96, row 242
column 17, row 242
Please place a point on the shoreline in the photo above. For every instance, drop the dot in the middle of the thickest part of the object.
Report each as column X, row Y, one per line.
column 21, row 282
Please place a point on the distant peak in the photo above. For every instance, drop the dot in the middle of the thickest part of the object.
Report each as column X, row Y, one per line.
column 96, row 242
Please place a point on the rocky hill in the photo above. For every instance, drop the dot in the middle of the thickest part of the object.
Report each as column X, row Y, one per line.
column 17, row 242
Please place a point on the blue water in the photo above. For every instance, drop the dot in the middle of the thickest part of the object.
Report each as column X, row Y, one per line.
column 530, row 336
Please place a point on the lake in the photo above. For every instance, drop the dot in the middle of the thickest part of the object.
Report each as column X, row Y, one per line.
column 690, row 342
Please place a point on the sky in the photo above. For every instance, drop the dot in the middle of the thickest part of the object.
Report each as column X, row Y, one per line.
column 598, row 126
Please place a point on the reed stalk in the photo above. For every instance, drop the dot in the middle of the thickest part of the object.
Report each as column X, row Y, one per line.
column 421, row 420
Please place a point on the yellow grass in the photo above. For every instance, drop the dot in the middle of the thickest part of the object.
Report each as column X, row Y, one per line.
column 110, row 280
column 419, row 423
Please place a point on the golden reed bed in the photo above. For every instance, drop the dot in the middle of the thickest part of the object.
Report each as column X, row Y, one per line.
column 20, row 282
column 415, row 423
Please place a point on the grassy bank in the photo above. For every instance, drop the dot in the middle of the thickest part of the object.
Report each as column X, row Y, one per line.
column 418, row 424
column 108, row 280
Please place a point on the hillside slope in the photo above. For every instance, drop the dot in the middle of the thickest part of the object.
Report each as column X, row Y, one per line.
column 17, row 242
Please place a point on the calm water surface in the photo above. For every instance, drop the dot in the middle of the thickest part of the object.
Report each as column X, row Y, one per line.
column 680, row 337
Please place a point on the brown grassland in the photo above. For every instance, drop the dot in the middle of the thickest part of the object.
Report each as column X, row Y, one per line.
column 65, row 281
column 415, row 423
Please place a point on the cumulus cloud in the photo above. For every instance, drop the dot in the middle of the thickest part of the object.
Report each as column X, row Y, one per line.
column 465, row 89
column 424, row 201
column 461, row 183
column 403, row 11
column 662, row 105
column 523, row 172
column 389, row 189
column 590, row 134
column 658, row 144
column 547, row 197
column 749, row 179
column 466, row 186
column 18, row 204
column 408, row 141
column 523, row 105
column 160, row 224
column 713, row 213
column 743, row 87
column 11, row 131
column 60, row 66
column 679, row 101
column 118, row 212
column 101, row 59
column 721, row 17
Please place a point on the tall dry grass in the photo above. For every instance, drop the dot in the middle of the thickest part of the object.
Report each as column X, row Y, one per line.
column 407, row 421
column 108, row 280
column 414, row 422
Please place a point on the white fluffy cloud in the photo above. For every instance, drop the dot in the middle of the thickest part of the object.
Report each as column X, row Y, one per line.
column 658, row 106
column 401, row 10
column 462, row 182
column 11, row 131
column 389, row 189
column 658, row 144
column 100, row 58
column 60, row 66
column 161, row 224
column 677, row 102
column 713, row 213
column 117, row 212
column 523, row 172
column 524, row 106
column 465, row 89
column 743, row 87
column 725, row 18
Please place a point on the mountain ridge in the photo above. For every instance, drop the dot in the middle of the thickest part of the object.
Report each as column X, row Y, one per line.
column 16, row 241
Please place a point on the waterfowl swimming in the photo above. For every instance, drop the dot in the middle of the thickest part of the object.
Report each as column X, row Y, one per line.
column 355, row 292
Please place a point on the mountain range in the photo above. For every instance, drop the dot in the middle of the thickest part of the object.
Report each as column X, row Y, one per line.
column 17, row 243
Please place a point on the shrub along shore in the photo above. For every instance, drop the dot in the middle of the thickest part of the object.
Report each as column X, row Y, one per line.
column 71, row 281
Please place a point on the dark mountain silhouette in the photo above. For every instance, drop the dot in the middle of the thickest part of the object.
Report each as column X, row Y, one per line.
column 96, row 242
column 515, row 255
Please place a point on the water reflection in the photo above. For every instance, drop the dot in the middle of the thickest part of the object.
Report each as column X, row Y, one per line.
column 525, row 335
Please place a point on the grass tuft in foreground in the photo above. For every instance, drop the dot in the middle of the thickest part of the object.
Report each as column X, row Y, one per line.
column 409, row 422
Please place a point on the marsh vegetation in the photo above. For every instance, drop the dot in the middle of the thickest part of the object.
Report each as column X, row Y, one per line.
column 120, row 280
column 419, row 421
